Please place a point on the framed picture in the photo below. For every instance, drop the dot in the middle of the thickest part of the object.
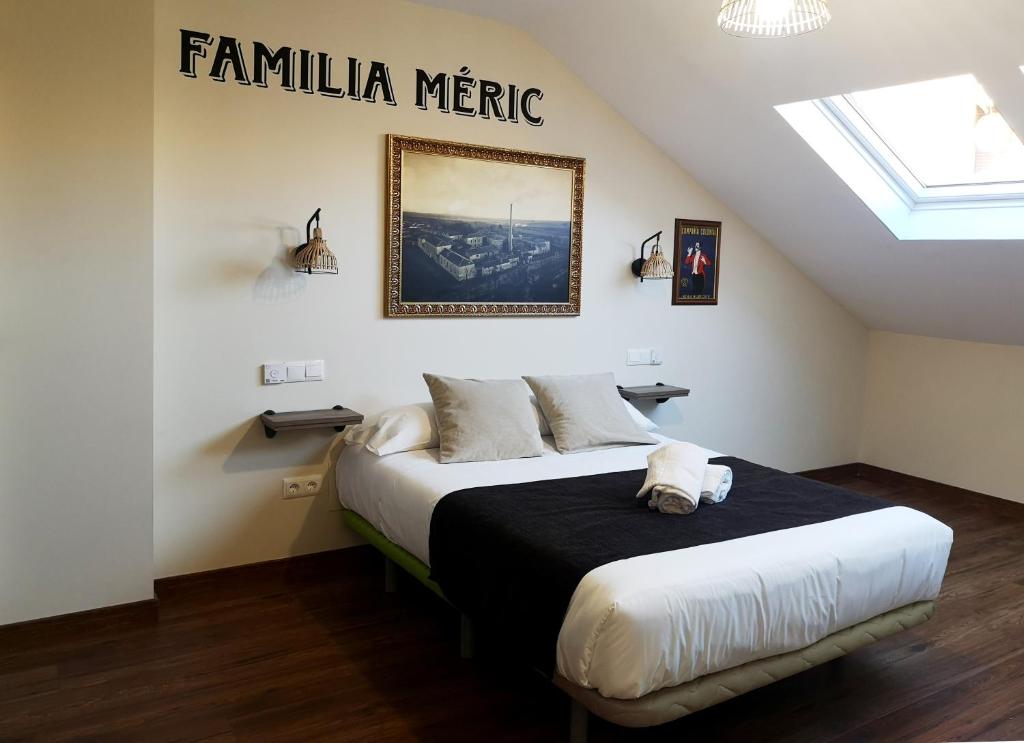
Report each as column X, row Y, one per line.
column 478, row 231
column 698, row 262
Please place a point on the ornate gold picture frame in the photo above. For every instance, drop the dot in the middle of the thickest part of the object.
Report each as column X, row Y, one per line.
column 475, row 231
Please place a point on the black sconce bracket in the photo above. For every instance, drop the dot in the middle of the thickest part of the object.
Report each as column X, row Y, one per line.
column 309, row 237
column 638, row 264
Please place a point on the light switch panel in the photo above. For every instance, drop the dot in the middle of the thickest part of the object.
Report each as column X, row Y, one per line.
column 638, row 357
column 274, row 372
column 279, row 372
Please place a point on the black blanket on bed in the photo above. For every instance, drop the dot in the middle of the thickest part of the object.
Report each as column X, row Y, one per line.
column 511, row 556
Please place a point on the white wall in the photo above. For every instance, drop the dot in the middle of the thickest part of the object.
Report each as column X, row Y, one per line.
column 76, row 426
column 776, row 369
column 949, row 411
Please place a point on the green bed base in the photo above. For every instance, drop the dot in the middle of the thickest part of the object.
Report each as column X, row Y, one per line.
column 674, row 702
column 390, row 550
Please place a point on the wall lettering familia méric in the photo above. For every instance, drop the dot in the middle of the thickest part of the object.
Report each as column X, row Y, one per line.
column 316, row 73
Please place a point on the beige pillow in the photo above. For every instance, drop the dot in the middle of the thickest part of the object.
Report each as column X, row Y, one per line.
column 484, row 420
column 586, row 412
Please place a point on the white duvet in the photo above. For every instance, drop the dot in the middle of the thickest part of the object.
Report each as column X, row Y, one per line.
column 638, row 625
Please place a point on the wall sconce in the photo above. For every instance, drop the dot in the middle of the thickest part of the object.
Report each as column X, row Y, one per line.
column 314, row 256
column 655, row 267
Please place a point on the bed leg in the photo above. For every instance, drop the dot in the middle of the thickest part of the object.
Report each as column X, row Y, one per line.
column 390, row 576
column 578, row 719
column 467, row 638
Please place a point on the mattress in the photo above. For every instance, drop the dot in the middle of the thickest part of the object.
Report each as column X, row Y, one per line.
column 674, row 702
column 642, row 624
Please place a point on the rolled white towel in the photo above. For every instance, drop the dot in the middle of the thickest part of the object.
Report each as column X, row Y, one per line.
column 717, row 482
column 675, row 475
column 669, row 500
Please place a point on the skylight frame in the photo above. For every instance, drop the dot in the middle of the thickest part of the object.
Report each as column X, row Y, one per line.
column 844, row 114
column 909, row 210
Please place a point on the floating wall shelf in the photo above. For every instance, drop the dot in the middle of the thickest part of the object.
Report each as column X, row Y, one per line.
column 305, row 420
column 658, row 392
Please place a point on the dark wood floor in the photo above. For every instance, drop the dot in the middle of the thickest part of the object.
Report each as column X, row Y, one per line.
column 312, row 649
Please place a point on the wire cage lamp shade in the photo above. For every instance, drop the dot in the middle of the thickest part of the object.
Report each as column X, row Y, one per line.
column 772, row 19
column 656, row 266
column 315, row 256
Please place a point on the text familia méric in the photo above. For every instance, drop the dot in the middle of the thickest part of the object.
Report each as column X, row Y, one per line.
column 305, row 71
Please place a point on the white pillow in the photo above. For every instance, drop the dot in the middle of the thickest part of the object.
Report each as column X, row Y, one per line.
column 406, row 428
column 639, row 418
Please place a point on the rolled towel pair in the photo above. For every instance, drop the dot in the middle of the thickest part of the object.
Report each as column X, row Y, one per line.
column 675, row 478
column 717, row 482
column 679, row 478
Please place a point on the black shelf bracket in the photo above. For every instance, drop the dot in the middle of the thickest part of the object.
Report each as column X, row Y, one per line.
column 339, row 429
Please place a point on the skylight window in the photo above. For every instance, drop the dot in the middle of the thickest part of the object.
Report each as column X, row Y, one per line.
column 947, row 132
column 934, row 160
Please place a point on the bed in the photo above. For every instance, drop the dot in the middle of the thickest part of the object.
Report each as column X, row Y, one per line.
column 642, row 618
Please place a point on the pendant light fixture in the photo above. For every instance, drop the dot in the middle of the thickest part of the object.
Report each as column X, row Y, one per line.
column 314, row 256
column 773, row 19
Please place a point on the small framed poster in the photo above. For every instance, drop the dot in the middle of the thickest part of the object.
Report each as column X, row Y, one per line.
column 698, row 261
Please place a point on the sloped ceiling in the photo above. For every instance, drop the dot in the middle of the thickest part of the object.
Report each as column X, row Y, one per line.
column 707, row 100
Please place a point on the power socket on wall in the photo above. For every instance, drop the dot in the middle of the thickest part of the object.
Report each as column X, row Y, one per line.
column 301, row 487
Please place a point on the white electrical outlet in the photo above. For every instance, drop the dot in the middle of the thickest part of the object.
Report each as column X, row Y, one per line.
column 301, row 487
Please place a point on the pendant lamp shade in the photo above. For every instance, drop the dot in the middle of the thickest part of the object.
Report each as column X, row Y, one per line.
column 768, row 19
column 315, row 256
column 656, row 267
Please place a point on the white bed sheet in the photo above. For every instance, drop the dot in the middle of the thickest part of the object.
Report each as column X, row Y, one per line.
column 646, row 623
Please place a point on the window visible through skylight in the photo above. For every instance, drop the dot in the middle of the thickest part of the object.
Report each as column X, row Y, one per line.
column 946, row 132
